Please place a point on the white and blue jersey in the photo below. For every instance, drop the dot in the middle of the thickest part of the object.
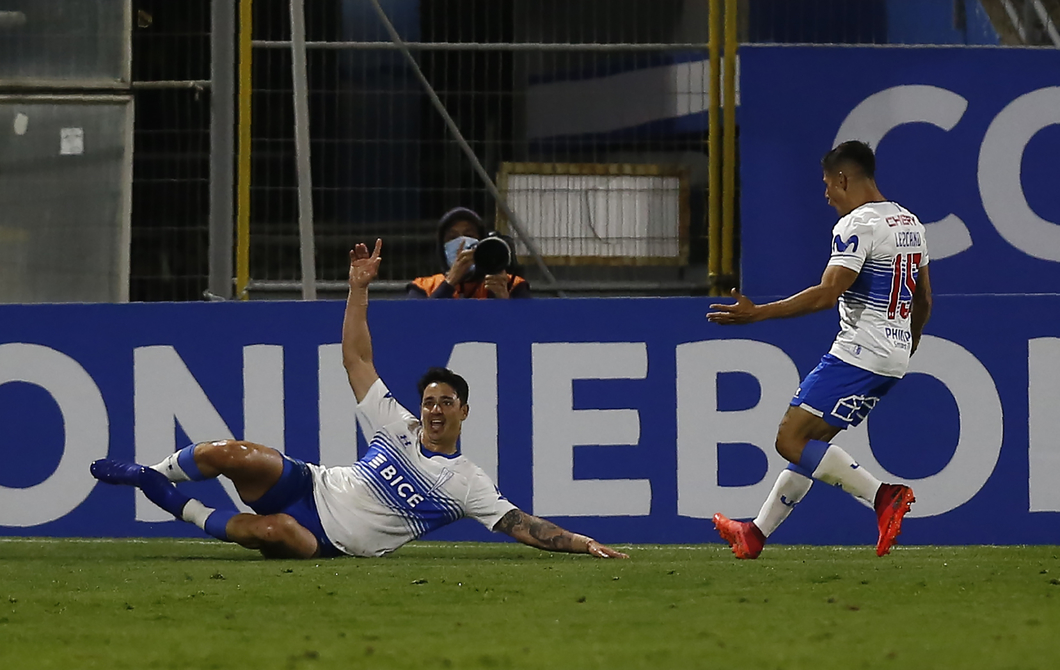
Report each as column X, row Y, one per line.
column 399, row 491
column 885, row 244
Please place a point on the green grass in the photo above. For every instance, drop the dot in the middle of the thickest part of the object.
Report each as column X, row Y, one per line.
column 186, row 604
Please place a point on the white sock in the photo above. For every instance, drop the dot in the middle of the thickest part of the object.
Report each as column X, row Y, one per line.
column 197, row 513
column 839, row 469
column 171, row 469
column 789, row 489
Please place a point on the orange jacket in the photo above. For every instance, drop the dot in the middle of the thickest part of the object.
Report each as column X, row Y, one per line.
column 517, row 288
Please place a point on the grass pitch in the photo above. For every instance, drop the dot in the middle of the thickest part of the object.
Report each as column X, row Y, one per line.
column 188, row 604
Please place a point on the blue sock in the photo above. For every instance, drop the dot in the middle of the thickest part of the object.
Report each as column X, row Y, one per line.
column 217, row 522
column 186, row 461
column 798, row 469
column 812, row 454
column 159, row 491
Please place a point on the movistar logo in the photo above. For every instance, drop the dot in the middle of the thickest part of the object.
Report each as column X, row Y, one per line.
column 788, row 503
column 841, row 246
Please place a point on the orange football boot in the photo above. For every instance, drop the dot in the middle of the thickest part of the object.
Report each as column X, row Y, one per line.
column 892, row 502
column 744, row 537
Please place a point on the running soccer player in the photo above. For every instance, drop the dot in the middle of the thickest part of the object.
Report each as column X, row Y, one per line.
column 878, row 273
column 411, row 481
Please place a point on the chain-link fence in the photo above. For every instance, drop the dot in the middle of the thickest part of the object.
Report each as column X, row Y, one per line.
column 535, row 88
column 591, row 116
column 171, row 176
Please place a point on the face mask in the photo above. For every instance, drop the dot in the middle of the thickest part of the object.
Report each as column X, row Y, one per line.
column 452, row 248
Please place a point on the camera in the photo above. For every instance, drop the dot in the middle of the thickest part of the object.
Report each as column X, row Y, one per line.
column 492, row 254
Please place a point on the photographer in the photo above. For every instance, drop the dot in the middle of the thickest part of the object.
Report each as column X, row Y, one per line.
column 476, row 265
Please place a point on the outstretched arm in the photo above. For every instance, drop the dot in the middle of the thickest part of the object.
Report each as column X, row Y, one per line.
column 835, row 280
column 356, row 340
column 543, row 534
column 921, row 307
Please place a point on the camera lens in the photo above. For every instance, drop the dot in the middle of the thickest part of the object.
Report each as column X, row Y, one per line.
column 492, row 255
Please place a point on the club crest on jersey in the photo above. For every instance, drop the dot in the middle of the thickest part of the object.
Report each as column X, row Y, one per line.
column 841, row 246
column 445, row 476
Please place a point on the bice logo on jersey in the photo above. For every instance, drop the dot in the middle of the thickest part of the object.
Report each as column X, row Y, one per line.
column 841, row 246
column 393, row 478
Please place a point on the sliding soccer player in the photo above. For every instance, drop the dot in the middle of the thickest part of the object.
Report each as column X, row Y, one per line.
column 878, row 273
column 411, row 481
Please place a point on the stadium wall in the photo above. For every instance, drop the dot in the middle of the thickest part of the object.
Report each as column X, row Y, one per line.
column 632, row 419
column 967, row 138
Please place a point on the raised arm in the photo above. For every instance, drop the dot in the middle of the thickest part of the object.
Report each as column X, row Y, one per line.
column 543, row 534
column 921, row 306
column 835, row 280
column 356, row 340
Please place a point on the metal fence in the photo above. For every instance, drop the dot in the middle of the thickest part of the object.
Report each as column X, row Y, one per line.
column 613, row 89
column 171, row 166
column 579, row 127
column 590, row 117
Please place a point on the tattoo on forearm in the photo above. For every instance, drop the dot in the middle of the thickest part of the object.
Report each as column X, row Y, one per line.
column 508, row 521
column 544, row 534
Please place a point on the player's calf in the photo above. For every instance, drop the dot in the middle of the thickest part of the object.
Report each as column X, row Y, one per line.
column 253, row 468
column 163, row 493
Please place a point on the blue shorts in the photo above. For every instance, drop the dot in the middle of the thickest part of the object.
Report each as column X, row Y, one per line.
column 292, row 494
column 840, row 393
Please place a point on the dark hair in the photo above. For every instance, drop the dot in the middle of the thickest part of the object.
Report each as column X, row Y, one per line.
column 444, row 376
column 852, row 153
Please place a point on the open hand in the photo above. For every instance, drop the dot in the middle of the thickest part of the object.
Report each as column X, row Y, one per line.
column 364, row 266
column 744, row 311
column 598, row 550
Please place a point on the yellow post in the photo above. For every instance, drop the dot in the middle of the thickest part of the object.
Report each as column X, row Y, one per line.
column 714, row 267
column 246, row 22
column 728, row 188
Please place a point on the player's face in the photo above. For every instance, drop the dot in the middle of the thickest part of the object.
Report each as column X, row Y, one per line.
column 441, row 412
column 835, row 191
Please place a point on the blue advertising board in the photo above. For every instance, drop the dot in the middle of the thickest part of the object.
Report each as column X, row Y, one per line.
column 966, row 138
column 634, row 420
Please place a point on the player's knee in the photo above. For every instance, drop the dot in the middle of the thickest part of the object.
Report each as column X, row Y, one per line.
column 224, row 454
column 280, row 536
column 278, row 529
